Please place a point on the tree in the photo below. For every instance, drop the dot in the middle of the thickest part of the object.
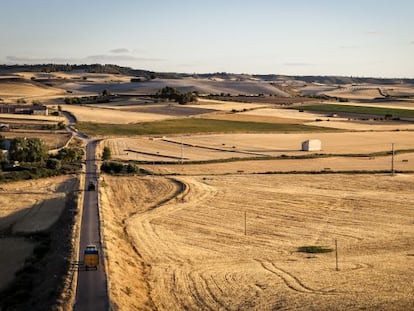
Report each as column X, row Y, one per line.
column 53, row 164
column 106, row 154
column 24, row 149
column 70, row 155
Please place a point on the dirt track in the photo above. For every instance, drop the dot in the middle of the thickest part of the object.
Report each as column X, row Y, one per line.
column 196, row 255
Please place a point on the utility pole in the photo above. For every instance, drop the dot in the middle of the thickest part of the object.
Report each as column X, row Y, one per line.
column 392, row 161
column 182, row 150
column 245, row 223
column 336, row 254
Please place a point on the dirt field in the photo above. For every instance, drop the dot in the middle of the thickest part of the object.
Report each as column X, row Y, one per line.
column 111, row 116
column 194, row 252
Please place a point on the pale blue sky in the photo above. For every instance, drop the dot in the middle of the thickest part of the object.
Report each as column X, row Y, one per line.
column 314, row 37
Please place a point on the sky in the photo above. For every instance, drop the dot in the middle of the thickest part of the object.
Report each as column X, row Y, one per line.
column 360, row 38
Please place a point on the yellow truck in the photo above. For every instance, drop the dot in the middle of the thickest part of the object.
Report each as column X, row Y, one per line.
column 91, row 257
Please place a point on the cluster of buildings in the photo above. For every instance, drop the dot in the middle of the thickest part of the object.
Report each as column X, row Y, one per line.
column 24, row 109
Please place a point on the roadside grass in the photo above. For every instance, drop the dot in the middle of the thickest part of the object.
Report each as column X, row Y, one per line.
column 358, row 110
column 193, row 126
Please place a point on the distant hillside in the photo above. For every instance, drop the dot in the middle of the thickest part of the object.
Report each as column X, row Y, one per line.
column 115, row 69
column 336, row 79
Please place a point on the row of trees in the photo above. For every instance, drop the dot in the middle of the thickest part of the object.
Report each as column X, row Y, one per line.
column 171, row 93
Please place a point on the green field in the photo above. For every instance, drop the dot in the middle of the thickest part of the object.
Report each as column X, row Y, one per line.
column 332, row 108
column 192, row 126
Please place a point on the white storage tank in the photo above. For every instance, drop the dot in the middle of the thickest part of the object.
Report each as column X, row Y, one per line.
column 312, row 145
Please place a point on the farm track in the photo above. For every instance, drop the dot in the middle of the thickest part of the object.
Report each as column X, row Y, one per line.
column 290, row 280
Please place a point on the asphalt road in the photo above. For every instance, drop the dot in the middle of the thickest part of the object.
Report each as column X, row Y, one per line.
column 91, row 293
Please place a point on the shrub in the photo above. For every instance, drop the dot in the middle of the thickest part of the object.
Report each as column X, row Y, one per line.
column 106, row 154
column 313, row 249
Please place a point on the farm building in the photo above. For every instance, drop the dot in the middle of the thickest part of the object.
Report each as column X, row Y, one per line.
column 24, row 109
column 312, row 145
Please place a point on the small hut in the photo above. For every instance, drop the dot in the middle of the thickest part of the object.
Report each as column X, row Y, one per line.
column 312, row 145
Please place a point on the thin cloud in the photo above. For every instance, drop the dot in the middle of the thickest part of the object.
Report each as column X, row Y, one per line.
column 102, row 58
column 122, row 58
column 120, row 51
column 35, row 60
column 297, row 64
column 348, row 47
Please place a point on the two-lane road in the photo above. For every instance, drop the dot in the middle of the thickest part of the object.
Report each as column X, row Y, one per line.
column 91, row 293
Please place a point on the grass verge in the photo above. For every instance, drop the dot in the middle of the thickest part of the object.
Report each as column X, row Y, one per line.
column 192, row 126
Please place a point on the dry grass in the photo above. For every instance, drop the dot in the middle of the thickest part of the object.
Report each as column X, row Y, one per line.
column 27, row 207
column 28, row 118
column 196, row 255
column 111, row 116
column 30, row 206
column 52, row 139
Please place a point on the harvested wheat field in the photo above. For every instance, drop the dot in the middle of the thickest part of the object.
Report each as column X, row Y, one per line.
column 244, row 117
column 363, row 126
column 283, row 113
column 277, row 144
column 225, row 105
column 159, row 149
column 30, row 206
column 403, row 162
column 27, row 207
column 357, row 92
column 194, row 252
column 14, row 90
column 123, row 260
column 111, row 116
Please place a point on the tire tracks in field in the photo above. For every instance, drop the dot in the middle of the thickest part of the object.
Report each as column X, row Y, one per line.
column 291, row 281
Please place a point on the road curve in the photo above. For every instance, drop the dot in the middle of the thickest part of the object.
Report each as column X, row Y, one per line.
column 91, row 291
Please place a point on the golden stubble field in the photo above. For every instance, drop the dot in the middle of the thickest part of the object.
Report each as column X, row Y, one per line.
column 25, row 207
column 191, row 251
column 225, row 146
